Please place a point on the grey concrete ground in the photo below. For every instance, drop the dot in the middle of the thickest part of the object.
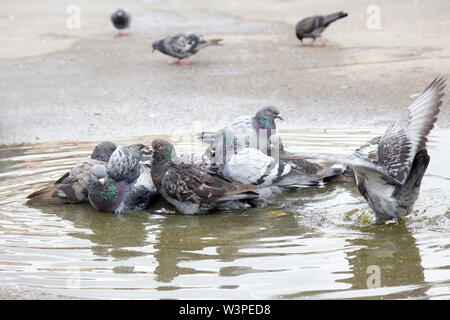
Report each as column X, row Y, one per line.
column 89, row 84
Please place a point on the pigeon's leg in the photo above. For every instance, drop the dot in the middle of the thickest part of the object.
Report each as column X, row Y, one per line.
column 323, row 41
column 311, row 43
column 175, row 62
column 185, row 62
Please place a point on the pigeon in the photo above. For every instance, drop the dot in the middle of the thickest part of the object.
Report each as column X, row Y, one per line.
column 124, row 184
column 183, row 45
column 312, row 27
column 121, row 20
column 251, row 131
column 390, row 178
column 72, row 186
column 246, row 165
column 190, row 189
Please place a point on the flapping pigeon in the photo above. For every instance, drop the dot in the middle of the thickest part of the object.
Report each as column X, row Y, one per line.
column 183, row 45
column 390, row 179
column 122, row 185
column 250, row 131
column 121, row 20
column 190, row 189
column 72, row 186
column 312, row 27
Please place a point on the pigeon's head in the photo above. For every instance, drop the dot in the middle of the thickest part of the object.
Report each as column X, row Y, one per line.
column 103, row 151
column 269, row 113
column 156, row 45
column 163, row 151
column 98, row 174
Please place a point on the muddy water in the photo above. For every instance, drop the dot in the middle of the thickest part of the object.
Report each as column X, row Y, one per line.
column 318, row 243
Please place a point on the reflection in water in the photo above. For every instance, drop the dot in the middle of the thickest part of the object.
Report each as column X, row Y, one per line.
column 312, row 243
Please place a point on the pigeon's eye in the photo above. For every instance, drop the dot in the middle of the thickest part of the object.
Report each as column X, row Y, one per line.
column 95, row 174
column 159, row 146
column 109, row 149
column 272, row 111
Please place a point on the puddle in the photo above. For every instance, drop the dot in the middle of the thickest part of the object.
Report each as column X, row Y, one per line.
column 317, row 243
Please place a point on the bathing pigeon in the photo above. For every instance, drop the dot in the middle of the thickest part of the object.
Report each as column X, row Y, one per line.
column 183, row 45
column 390, row 179
column 241, row 164
column 312, row 27
column 72, row 186
column 251, row 131
column 122, row 185
column 190, row 189
column 120, row 19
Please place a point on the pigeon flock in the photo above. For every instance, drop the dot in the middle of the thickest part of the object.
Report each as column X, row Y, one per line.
column 245, row 163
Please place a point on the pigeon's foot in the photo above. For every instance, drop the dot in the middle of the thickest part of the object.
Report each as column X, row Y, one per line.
column 323, row 42
column 184, row 62
column 122, row 33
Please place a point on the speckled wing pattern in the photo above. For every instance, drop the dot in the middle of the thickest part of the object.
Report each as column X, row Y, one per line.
column 69, row 188
column 186, row 182
column 401, row 141
column 124, row 164
column 182, row 45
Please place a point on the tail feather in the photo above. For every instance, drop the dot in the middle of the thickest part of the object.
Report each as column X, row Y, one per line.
column 215, row 42
column 209, row 42
column 45, row 196
column 333, row 17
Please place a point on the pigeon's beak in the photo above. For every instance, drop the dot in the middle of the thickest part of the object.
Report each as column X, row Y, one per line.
column 279, row 117
column 102, row 181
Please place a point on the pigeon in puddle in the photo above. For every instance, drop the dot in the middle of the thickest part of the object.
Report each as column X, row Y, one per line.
column 124, row 184
column 251, row 131
column 390, row 178
column 72, row 186
column 190, row 189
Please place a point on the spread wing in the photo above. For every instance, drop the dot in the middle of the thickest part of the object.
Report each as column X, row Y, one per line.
column 401, row 141
column 356, row 164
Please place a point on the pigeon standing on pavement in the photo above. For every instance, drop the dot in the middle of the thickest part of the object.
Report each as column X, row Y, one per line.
column 312, row 27
column 72, row 186
column 190, row 189
column 121, row 20
column 122, row 185
column 390, row 179
column 183, row 45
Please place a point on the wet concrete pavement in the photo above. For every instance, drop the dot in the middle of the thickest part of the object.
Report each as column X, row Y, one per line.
column 101, row 86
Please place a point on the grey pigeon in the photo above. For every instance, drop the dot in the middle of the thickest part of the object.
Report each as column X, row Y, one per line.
column 390, row 179
column 312, row 27
column 241, row 164
column 122, row 185
column 183, row 45
column 72, row 186
column 190, row 189
column 251, row 131
column 121, row 20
